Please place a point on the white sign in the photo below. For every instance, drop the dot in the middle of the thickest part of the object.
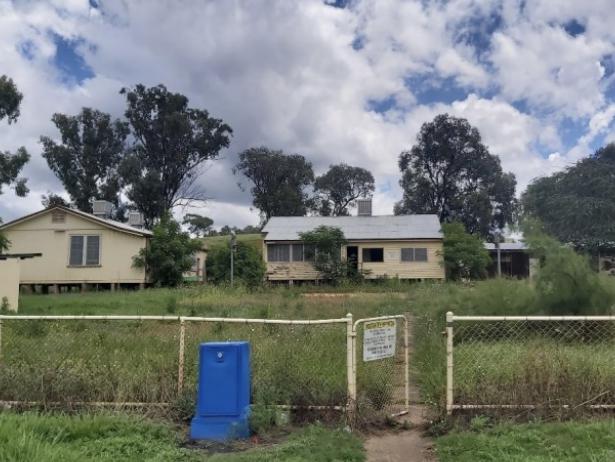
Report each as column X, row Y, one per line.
column 379, row 338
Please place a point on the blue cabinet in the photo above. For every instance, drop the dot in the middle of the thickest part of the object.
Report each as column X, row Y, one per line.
column 223, row 399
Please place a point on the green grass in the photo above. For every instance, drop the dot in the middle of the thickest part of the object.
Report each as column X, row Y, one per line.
column 539, row 442
column 54, row 438
column 97, row 360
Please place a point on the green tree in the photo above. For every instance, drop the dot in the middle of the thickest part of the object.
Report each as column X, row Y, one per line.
column 565, row 283
column 279, row 181
column 171, row 143
column 169, row 254
column 248, row 264
column 577, row 205
column 340, row 187
column 324, row 246
column 450, row 172
column 10, row 99
column 465, row 256
column 53, row 200
column 198, row 225
column 11, row 164
column 87, row 158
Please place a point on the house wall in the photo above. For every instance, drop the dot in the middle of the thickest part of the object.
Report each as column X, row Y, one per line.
column 9, row 282
column 392, row 266
column 39, row 234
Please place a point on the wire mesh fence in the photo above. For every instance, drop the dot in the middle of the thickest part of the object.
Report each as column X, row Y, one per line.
column 543, row 364
column 381, row 364
column 292, row 364
column 88, row 360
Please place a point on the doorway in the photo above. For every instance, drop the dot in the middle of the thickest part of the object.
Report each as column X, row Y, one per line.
column 352, row 257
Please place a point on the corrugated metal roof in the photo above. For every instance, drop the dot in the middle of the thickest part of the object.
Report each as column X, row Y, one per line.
column 357, row 228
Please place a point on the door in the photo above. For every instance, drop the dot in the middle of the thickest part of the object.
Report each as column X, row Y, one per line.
column 352, row 257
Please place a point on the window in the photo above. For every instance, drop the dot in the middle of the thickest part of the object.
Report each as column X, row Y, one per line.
column 309, row 251
column 413, row 254
column 84, row 251
column 278, row 252
column 373, row 255
column 297, row 252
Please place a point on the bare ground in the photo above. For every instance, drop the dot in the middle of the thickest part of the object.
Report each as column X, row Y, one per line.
column 404, row 446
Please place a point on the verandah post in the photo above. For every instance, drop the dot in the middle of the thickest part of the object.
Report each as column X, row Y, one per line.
column 449, row 363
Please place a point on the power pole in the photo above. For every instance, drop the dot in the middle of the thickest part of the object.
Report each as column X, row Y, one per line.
column 233, row 236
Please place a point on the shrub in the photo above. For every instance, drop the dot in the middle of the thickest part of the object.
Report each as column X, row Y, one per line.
column 169, row 254
column 327, row 242
column 465, row 256
column 249, row 267
column 565, row 283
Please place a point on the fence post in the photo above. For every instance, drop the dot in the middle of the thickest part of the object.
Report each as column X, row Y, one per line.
column 449, row 363
column 350, row 369
column 0, row 340
column 182, row 342
column 406, row 364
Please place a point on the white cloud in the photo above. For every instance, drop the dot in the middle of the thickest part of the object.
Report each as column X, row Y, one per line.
column 285, row 74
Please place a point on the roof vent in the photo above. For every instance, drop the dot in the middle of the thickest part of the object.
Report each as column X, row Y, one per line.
column 135, row 219
column 102, row 209
column 364, row 207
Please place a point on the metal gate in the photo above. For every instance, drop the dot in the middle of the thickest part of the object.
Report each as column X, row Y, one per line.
column 380, row 361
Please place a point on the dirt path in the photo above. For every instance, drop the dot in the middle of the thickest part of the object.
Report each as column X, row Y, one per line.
column 405, row 446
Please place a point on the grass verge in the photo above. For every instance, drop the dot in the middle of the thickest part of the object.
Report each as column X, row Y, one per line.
column 88, row 437
column 538, row 442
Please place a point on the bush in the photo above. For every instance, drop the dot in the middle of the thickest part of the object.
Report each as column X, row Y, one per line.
column 169, row 254
column 327, row 242
column 465, row 256
column 249, row 267
column 566, row 284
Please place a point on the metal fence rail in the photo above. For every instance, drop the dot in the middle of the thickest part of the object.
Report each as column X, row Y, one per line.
column 543, row 363
column 152, row 360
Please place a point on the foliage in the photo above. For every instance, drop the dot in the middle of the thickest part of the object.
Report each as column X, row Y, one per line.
column 87, row 158
column 465, row 256
column 536, row 442
column 10, row 99
column 565, row 284
column 577, row 205
column 450, row 172
column 340, row 187
column 172, row 141
column 326, row 242
column 198, row 225
column 249, row 267
column 111, row 437
column 279, row 181
column 53, row 200
column 10, row 167
column 169, row 254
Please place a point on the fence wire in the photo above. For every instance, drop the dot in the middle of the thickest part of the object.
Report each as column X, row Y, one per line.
column 381, row 383
column 545, row 365
column 298, row 365
column 88, row 361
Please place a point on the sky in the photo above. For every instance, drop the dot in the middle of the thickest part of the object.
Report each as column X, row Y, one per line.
column 336, row 81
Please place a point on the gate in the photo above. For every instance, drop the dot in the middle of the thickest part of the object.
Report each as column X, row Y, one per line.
column 380, row 361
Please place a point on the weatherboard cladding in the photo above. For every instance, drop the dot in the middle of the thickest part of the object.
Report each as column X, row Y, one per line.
column 357, row 228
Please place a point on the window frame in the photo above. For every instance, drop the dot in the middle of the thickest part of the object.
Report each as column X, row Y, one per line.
column 288, row 246
column 413, row 255
column 84, row 251
column 363, row 249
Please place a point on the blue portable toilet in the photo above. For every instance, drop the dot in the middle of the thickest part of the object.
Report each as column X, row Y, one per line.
column 223, row 400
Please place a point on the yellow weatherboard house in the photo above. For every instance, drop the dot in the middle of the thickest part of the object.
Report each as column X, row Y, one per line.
column 77, row 249
column 402, row 246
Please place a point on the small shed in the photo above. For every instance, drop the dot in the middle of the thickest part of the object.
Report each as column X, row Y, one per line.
column 514, row 259
column 10, row 272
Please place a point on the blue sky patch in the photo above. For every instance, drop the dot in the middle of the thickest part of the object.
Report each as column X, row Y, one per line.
column 70, row 63
column 574, row 28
